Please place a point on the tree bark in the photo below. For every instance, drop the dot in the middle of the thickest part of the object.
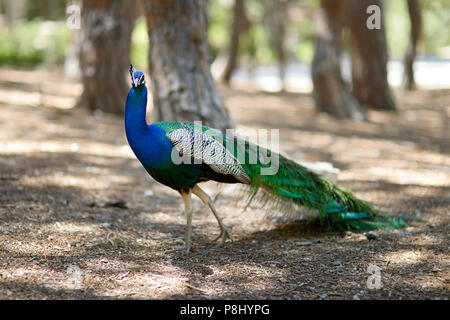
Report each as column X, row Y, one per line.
column 182, row 85
column 14, row 10
column 369, row 58
column 240, row 25
column 415, row 16
column 106, row 27
column 276, row 14
column 330, row 92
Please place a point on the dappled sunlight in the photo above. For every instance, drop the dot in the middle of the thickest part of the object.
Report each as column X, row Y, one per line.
column 65, row 227
column 400, row 176
column 73, row 197
column 30, row 88
column 406, row 257
column 55, row 146
column 62, row 179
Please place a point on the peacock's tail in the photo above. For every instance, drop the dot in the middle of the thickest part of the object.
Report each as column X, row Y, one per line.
column 338, row 208
column 290, row 182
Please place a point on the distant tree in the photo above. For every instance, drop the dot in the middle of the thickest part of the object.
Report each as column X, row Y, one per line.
column 240, row 25
column 46, row 9
column 276, row 15
column 13, row 10
column 369, row 57
column 106, row 27
column 415, row 17
column 181, row 81
column 331, row 94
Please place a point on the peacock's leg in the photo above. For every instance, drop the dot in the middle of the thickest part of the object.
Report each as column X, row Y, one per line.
column 224, row 233
column 186, row 194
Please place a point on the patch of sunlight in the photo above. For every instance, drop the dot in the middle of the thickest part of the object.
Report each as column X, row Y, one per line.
column 303, row 85
column 45, row 277
column 18, row 97
column 98, row 149
column 162, row 217
column 318, row 140
column 406, row 257
column 25, row 146
column 400, row 176
column 58, row 101
column 65, row 227
column 66, row 180
column 30, row 247
column 430, row 157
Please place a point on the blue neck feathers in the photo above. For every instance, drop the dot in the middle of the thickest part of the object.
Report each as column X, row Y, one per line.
column 144, row 140
column 135, row 110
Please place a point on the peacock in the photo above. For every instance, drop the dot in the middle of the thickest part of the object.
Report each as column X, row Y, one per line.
column 181, row 155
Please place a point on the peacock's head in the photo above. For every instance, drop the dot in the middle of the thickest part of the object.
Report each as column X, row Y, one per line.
column 137, row 77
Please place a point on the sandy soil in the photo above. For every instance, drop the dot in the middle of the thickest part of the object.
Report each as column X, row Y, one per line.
column 80, row 218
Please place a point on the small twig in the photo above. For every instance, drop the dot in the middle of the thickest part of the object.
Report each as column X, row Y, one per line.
column 123, row 275
column 159, row 276
column 192, row 287
column 108, row 239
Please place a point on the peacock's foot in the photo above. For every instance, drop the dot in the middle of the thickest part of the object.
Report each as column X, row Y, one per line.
column 223, row 236
column 187, row 245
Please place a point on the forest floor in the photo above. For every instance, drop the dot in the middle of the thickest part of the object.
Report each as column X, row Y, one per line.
column 80, row 218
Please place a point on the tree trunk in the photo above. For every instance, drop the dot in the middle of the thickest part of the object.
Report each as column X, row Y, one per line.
column 240, row 24
column 106, row 27
column 330, row 92
column 14, row 10
column 182, row 85
column 369, row 58
column 276, row 14
column 415, row 16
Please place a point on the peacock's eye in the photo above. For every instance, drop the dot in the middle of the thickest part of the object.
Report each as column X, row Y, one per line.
column 141, row 80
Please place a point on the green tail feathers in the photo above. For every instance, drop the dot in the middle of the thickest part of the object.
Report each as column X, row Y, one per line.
column 293, row 183
column 338, row 208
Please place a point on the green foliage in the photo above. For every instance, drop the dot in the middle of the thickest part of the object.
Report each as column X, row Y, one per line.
column 33, row 42
column 254, row 44
column 220, row 20
column 139, row 45
column 397, row 27
column 436, row 21
column 436, row 17
column 305, row 51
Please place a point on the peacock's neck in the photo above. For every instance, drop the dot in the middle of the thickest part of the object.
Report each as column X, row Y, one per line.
column 144, row 140
column 135, row 111
column 136, row 127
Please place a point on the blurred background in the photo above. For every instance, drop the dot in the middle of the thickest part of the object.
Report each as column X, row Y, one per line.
column 268, row 45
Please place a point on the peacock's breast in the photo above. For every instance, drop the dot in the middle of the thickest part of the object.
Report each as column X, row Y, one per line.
column 153, row 149
column 175, row 176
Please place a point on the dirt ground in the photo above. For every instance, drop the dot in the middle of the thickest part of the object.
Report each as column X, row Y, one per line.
column 80, row 218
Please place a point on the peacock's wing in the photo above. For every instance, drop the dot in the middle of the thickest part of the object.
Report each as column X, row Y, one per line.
column 204, row 145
